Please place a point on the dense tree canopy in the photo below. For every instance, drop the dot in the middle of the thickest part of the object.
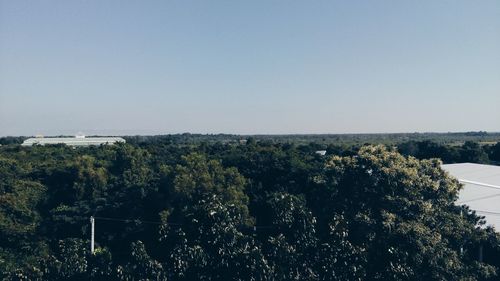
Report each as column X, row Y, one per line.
column 240, row 211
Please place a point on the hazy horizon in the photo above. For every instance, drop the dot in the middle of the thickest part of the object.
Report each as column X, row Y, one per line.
column 118, row 134
column 258, row 67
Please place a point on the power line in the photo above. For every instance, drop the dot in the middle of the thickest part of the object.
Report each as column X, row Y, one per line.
column 93, row 220
column 479, row 183
column 479, row 198
column 170, row 223
column 133, row 220
column 488, row 212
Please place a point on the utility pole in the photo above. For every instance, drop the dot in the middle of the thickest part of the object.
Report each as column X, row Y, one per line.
column 92, row 223
column 462, row 245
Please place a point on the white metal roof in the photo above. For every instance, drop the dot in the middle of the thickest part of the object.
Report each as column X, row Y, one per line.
column 78, row 141
column 481, row 191
column 321, row 152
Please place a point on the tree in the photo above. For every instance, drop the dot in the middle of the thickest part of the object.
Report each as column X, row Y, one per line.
column 198, row 177
column 401, row 213
column 291, row 247
column 141, row 266
column 19, row 217
column 494, row 153
column 473, row 152
column 189, row 208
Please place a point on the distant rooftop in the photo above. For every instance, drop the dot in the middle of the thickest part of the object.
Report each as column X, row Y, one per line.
column 321, row 152
column 79, row 140
column 481, row 190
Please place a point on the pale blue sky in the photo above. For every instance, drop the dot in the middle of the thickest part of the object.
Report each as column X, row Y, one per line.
column 151, row 67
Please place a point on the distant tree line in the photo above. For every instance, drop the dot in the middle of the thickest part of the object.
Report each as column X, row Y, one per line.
column 470, row 151
column 253, row 210
column 301, row 139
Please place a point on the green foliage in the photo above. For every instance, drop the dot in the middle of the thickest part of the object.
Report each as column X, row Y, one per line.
column 469, row 151
column 198, row 176
column 19, row 218
column 141, row 266
column 172, row 209
column 494, row 152
column 395, row 205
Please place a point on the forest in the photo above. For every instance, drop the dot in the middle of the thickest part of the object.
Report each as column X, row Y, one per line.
column 224, row 207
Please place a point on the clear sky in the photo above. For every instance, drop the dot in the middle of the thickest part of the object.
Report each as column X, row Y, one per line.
column 152, row 67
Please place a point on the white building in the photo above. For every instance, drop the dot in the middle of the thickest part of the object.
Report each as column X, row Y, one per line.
column 76, row 141
column 321, row 152
column 481, row 191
